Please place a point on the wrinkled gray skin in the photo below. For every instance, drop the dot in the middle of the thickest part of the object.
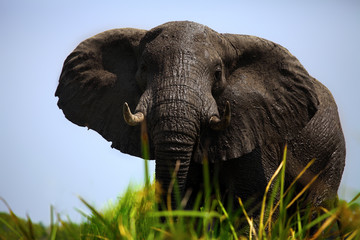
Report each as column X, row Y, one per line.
column 179, row 75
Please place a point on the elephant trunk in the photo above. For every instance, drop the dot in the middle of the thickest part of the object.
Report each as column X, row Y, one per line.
column 174, row 134
column 172, row 166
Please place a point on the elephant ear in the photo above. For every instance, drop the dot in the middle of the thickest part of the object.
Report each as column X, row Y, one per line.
column 96, row 79
column 271, row 95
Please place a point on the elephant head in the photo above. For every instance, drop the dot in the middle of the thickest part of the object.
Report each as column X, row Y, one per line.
column 198, row 91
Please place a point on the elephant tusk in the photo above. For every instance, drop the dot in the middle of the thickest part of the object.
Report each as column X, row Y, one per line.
column 218, row 124
column 132, row 119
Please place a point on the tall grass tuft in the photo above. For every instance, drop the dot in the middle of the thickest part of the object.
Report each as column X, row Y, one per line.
column 135, row 215
column 13, row 227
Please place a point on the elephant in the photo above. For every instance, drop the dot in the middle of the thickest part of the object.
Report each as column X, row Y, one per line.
column 234, row 101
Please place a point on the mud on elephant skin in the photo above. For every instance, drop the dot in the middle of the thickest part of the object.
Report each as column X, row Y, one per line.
column 237, row 98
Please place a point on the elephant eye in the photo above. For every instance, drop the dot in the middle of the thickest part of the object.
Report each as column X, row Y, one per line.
column 141, row 77
column 218, row 75
column 218, row 84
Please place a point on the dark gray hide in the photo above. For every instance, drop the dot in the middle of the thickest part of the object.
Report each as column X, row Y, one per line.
column 182, row 74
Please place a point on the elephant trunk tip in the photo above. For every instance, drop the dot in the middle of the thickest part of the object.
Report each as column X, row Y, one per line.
column 218, row 124
column 132, row 119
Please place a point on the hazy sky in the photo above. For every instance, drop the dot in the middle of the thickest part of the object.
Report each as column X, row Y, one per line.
column 46, row 160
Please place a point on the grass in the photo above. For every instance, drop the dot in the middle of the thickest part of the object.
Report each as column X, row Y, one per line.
column 136, row 216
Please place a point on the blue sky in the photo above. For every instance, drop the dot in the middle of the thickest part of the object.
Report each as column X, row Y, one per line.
column 46, row 160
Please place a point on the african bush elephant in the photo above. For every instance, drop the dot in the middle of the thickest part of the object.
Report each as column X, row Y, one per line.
column 236, row 99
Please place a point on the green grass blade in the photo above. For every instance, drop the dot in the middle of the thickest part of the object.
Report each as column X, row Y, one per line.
column 30, row 227
column 282, row 210
column 355, row 198
column 53, row 232
column 229, row 222
column 53, row 225
column 298, row 218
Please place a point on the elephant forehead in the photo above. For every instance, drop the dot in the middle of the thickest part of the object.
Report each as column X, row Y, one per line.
column 185, row 31
column 178, row 44
column 177, row 59
column 184, row 36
